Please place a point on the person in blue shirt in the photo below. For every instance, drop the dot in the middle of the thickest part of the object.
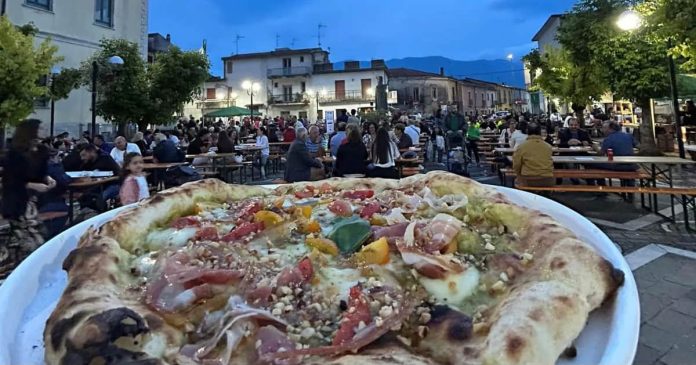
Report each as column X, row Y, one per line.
column 621, row 144
column 338, row 139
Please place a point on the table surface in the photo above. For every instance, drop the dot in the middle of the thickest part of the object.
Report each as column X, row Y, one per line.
column 554, row 149
column 92, row 181
column 216, row 155
column 162, row 165
column 660, row 160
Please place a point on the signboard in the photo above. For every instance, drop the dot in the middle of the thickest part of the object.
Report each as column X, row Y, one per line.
column 329, row 117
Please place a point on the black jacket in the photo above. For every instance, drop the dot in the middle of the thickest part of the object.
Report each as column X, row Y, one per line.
column 405, row 141
column 20, row 169
column 351, row 159
column 166, row 151
column 299, row 163
column 103, row 162
column 566, row 135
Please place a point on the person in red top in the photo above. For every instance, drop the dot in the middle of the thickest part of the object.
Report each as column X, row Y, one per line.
column 289, row 134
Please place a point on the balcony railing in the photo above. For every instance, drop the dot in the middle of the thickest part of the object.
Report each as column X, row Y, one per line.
column 289, row 71
column 348, row 95
column 296, row 98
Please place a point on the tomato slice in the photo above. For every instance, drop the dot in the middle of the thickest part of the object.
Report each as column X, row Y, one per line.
column 352, row 318
column 207, row 233
column 325, row 188
column 368, row 210
column 304, row 194
column 183, row 222
column 306, row 268
column 243, row 230
column 247, row 210
column 359, row 194
column 341, row 208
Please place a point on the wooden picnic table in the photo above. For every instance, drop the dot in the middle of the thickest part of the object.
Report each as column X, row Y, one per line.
column 84, row 183
column 162, row 165
column 508, row 150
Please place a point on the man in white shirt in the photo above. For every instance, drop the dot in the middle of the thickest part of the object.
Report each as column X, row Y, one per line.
column 413, row 131
column 121, row 148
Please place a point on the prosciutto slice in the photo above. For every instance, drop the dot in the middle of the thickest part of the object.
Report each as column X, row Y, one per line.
column 434, row 266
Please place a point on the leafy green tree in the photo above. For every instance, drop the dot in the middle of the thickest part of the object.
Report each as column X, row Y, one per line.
column 21, row 66
column 174, row 79
column 675, row 20
column 63, row 83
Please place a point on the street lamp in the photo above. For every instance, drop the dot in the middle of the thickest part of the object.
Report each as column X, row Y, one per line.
column 113, row 60
column 251, row 88
column 54, row 72
column 631, row 20
column 510, row 57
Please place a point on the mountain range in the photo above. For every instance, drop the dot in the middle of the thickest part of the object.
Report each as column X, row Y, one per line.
column 499, row 71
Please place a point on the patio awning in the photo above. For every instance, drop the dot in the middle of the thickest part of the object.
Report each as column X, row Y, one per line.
column 232, row 111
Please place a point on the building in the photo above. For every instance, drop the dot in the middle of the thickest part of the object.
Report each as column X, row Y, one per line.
column 424, row 92
column 479, row 97
column 546, row 37
column 77, row 35
column 156, row 44
column 293, row 82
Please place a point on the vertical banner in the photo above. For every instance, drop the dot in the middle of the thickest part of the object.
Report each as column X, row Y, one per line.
column 329, row 117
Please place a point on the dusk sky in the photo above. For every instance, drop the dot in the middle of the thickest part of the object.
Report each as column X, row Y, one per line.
column 357, row 29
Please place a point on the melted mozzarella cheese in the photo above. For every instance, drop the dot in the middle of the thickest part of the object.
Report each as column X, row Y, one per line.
column 337, row 282
column 325, row 217
column 144, row 264
column 454, row 288
column 170, row 237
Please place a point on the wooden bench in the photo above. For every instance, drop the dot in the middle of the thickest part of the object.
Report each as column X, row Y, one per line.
column 411, row 170
column 586, row 174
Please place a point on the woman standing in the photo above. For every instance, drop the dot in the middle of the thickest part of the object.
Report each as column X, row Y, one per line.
column 384, row 154
column 262, row 141
column 25, row 176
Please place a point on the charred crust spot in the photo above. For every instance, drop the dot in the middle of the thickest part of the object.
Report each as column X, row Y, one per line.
column 112, row 324
column 153, row 321
column 80, row 254
column 618, row 276
column 458, row 325
column 514, row 345
column 157, row 198
column 63, row 326
column 471, row 352
column 570, row 352
column 112, row 278
column 536, row 314
column 557, row 263
column 563, row 300
column 460, row 329
column 106, row 354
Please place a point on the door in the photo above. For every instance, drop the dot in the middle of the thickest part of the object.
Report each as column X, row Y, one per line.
column 287, row 66
column 287, row 93
column 365, row 87
column 340, row 87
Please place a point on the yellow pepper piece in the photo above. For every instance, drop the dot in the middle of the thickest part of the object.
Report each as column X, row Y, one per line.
column 268, row 218
column 323, row 245
column 378, row 220
column 306, row 211
column 310, row 227
column 376, row 252
column 451, row 247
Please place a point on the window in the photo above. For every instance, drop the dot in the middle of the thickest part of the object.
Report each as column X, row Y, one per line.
column 228, row 67
column 434, row 93
column 471, row 102
column 210, row 93
column 320, row 114
column 301, row 59
column 275, row 84
column 42, row 101
column 287, row 93
column 303, row 114
column 416, row 94
column 287, row 62
column 483, row 100
column 103, row 12
column 454, row 94
column 43, row 4
column 303, row 86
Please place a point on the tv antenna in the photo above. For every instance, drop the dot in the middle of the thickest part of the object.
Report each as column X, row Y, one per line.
column 236, row 43
column 319, row 33
column 277, row 40
column 292, row 43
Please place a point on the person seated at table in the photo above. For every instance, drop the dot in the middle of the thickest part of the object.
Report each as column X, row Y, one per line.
column 404, row 139
column 165, row 151
column 299, row 163
column 54, row 199
column 200, row 144
column 121, row 147
column 505, row 135
column 224, row 144
column 519, row 136
column 338, row 138
column 133, row 181
column 352, row 155
column 573, row 136
column 289, row 134
column 139, row 140
column 384, row 155
column 621, row 144
column 315, row 142
column 413, row 131
column 532, row 161
column 99, row 141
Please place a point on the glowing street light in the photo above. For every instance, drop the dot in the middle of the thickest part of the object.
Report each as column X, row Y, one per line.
column 251, row 88
column 510, row 57
column 629, row 20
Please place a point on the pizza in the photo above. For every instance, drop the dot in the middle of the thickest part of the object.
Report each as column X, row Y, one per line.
column 430, row 269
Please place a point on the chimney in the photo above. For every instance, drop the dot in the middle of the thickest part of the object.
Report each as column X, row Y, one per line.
column 442, row 71
column 352, row 65
column 169, row 37
column 377, row 64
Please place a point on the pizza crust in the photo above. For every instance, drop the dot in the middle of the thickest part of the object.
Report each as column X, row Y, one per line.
column 545, row 310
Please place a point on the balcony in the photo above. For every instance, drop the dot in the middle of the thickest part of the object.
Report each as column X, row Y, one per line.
column 288, row 99
column 348, row 95
column 288, row 71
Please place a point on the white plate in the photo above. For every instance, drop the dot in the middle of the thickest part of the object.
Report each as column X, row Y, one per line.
column 32, row 291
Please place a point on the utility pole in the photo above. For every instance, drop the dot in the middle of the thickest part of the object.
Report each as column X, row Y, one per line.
column 236, row 43
column 319, row 33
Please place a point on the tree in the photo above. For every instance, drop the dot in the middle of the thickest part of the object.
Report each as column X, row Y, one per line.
column 633, row 64
column 21, row 66
column 675, row 20
column 121, row 89
column 174, row 79
column 63, row 83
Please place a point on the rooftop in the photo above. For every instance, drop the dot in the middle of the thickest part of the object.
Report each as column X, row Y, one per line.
column 275, row 53
column 408, row 72
column 546, row 26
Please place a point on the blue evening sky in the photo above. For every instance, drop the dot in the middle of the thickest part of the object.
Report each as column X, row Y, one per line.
column 357, row 29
